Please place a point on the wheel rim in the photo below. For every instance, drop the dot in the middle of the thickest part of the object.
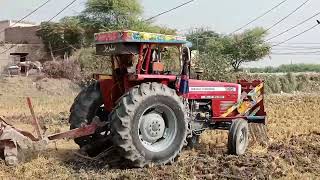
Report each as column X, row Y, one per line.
column 242, row 139
column 157, row 127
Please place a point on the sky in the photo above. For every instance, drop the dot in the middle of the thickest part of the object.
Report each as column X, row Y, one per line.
column 221, row 16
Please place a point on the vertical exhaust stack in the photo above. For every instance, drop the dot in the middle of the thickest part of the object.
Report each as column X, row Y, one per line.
column 185, row 72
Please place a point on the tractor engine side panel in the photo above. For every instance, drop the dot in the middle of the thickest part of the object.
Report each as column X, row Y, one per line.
column 222, row 95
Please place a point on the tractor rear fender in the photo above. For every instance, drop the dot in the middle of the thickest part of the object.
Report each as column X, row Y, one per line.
column 111, row 91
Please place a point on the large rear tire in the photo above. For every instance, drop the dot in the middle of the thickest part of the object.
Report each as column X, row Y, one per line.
column 150, row 125
column 86, row 106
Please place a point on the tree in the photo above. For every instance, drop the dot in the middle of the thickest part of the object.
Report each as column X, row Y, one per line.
column 61, row 38
column 208, row 47
column 73, row 32
column 245, row 47
column 99, row 15
column 215, row 67
column 200, row 38
column 110, row 14
column 140, row 25
column 235, row 49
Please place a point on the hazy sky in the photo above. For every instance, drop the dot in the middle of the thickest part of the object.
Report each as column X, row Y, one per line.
column 221, row 16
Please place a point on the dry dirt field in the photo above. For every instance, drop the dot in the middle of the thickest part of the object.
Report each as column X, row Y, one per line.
column 293, row 151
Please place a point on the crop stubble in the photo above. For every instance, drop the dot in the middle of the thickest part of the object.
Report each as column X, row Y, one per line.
column 293, row 151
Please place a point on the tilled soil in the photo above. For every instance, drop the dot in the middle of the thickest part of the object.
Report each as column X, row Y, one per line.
column 279, row 159
column 293, row 151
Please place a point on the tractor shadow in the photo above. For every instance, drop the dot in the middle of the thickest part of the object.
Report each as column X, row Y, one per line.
column 108, row 159
column 111, row 159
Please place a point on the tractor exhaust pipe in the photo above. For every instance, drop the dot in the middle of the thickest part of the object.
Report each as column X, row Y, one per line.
column 185, row 72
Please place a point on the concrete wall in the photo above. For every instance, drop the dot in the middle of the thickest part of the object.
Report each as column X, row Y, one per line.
column 25, row 35
column 3, row 26
column 10, row 23
column 36, row 53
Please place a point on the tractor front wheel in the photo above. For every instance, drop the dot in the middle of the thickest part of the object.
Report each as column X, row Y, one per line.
column 150, row 125
column 238, row 138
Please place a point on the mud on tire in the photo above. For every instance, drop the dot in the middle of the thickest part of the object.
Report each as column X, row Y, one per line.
column 140, row 107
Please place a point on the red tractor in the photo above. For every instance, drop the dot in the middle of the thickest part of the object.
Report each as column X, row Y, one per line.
column 150, row 113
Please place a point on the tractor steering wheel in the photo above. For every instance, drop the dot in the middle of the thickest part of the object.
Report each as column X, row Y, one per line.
column 167, row 72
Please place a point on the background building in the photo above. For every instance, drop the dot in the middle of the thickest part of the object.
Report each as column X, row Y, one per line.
column 19, row 38
column 11, row 23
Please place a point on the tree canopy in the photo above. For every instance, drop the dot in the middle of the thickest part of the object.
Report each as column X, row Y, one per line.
column 110, row 14
column 106, row 15
column 201, row 37
column 61, row 38
column 245, row 47
column 235, row 49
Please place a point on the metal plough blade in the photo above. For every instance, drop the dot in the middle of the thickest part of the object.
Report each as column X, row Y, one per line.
column 258, row 133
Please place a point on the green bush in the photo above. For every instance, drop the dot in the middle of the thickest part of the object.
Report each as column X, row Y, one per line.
column 288, row 83
column 285, row 84
column 91, row 63
column 69, row 69
column 287, row 68
column 79, row 67
column 302, row 81
column 215, row 68
column 272, row 84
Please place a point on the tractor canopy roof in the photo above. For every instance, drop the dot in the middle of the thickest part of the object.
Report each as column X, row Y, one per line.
column 128, row 36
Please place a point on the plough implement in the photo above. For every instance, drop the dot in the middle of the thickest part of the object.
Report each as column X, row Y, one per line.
column 251, row 107
column 14, row 141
